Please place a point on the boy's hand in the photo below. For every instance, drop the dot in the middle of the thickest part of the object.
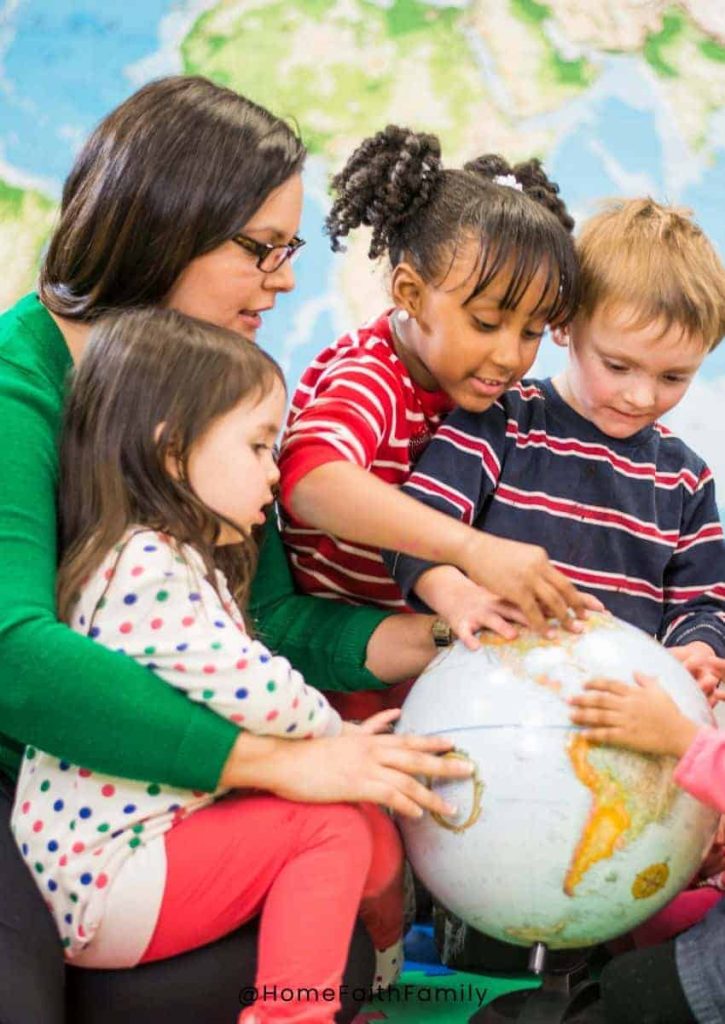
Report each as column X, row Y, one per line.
column 703, row 664
column 467, row 607
column 523, row 575
column 641, row 717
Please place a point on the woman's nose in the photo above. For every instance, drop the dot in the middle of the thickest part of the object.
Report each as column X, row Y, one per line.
column 282, row 279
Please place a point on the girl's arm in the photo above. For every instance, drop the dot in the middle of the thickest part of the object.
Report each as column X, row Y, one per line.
column 645, row 718
column 159, row 606
column 336, row 646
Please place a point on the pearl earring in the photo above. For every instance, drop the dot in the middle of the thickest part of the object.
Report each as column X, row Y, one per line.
column 402, row 315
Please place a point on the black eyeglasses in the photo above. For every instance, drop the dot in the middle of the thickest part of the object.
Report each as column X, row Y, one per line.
column 269, row 257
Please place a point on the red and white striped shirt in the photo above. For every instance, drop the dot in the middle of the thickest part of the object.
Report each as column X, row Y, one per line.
column 356, row 402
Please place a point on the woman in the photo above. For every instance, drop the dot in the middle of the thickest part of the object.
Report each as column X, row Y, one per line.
column 186, row 195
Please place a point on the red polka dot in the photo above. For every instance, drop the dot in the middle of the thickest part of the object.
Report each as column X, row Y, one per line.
column 84, row 773
column 78, row 847
column 237, row 718
column 98, row 852
column 209, row 669
column 37, row 826
column 295, row 703
column 81, row 930
column 157, row 623
column 242, row 664
column 125, row 627
column 271, row 715
column 137, row 570
column 198, row 792
column 26, row 807
column 179, row 667
column 108, row 574
column 108, row 789
column 63, row 860
column 188, row 620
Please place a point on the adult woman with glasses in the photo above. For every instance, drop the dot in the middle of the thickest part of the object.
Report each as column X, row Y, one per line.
column 189, row 196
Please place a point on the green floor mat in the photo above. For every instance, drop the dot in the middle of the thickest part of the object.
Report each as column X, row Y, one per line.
column 448, row 998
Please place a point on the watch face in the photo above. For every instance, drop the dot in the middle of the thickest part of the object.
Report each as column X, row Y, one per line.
column 442, row 633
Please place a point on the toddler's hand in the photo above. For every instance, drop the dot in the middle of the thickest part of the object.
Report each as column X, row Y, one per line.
column 641, row 717
column 466, row 606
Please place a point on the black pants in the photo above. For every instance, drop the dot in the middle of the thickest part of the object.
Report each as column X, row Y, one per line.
column 199, row 987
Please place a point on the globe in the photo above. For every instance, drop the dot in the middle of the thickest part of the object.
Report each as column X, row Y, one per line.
column 556, row 840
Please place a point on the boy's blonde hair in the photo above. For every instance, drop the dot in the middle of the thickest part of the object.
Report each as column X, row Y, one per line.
column 655, row 259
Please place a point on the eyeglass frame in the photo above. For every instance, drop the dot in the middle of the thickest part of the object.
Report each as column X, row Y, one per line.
column 262, row 250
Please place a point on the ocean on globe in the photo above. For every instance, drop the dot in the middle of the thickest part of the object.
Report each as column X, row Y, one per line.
column 556, row 840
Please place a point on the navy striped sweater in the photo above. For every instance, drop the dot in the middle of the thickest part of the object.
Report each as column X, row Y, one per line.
column 633, row 521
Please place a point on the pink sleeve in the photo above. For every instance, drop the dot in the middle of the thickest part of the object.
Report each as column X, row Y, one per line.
column 702, row 769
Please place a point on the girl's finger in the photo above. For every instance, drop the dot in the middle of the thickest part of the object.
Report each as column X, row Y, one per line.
column 593, row 716
column 381, row 721
column 645, row 681
column 613, row 686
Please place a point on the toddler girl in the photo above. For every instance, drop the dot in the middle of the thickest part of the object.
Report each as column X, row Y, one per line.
column 167, row 464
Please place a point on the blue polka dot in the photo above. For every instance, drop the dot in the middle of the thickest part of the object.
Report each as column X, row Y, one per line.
column 68, row 919
column 85, row 812
column 263, row 658
column 291, row 728
column 129, row 808
column 52, row 885
column 130, row 599
column 58, row 805
column 24, row 849
column 86, row 878
column 220, row 625
column 150, row 547
column 181, row 647
column 173, row 807
column 193, row 596
column 52, row 846
column 152, row 665
column 64, row 765
column 117, row 833
column 82, row 620
column 241, row 694
column 95, row 631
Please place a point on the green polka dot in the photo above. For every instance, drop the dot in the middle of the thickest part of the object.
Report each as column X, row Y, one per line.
column 138, row 829
column 134, row 842
column 162, row 595
column 216, row 646
column 104, row 827
column 178, row 558
column 102, row 603
column 72, row 825
column 207, row 694
column 271, row 686
column 149, row 650
column 311, row 715
column 66, row 943
column 118, row 547
column 30, row 753
column 39, row 867
column 154, row 789
column 44, row 786
column 73, row 897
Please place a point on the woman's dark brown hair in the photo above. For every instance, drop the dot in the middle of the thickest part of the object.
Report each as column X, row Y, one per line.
column 170, row 174
column 140, row 369
column 394, row 183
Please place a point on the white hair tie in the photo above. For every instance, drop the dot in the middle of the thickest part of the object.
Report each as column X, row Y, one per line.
column 508, row 181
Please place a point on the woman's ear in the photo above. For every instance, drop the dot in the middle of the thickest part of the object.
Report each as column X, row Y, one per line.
column 560, row 336
column 406, row 287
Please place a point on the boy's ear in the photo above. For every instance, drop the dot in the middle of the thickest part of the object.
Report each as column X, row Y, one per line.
column 560, row 336
column 406, row 287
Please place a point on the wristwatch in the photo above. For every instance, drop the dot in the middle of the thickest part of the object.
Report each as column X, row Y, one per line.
column 442, row 633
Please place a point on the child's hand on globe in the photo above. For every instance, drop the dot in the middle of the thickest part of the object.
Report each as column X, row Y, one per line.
column 641, row 717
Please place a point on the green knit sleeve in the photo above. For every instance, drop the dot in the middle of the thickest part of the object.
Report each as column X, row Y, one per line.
column 326, row 640
column 60, row 691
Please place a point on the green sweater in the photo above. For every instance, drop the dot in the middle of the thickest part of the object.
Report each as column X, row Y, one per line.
column 74, row 698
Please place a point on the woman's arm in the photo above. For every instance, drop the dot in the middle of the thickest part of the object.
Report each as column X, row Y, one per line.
column 60, row 691
column 335, row 646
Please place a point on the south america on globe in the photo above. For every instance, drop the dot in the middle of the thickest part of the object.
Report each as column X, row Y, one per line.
column 556, row 840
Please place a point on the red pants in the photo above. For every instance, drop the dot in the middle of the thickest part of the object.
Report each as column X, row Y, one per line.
column 306, row 868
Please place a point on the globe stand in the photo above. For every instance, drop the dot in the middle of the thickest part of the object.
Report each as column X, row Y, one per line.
column 566, row 990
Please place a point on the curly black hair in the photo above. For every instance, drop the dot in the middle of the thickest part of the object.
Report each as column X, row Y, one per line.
column 395, row 184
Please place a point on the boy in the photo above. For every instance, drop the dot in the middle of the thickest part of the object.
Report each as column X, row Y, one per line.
column 580, row 464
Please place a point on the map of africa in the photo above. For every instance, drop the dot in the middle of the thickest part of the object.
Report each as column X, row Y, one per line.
column 622, row 98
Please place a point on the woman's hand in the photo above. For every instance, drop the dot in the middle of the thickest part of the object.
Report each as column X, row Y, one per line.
column 523, row 575
column 466, row 606
column 641, row 717
column 354, row 767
